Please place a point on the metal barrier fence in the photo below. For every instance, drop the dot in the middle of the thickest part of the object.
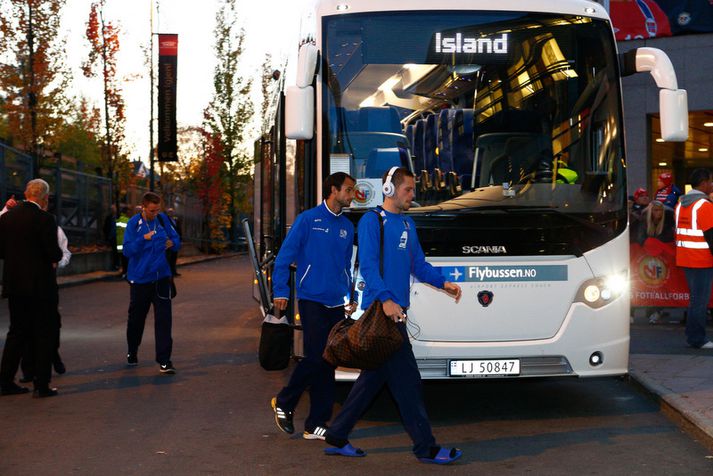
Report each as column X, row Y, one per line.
column 80, row 201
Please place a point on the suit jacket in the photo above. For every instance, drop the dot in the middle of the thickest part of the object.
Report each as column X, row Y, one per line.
column 28, row 244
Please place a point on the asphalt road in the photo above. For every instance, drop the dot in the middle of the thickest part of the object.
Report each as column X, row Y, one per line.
column 213, row 416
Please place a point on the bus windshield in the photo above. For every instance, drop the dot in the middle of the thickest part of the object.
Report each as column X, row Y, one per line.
column 488, row 110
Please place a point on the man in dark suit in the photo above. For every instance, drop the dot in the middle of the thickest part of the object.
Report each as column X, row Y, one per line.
column 28, row 244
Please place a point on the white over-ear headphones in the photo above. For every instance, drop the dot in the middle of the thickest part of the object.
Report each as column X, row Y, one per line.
column 388, row 187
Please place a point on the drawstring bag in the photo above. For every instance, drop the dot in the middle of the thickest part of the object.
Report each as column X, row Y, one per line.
column 275, row 343
column 366, row 343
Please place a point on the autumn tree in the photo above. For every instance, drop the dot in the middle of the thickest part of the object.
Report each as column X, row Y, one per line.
column 80, row 136
column 229, row 114
column 103, row 37
column 34, row 77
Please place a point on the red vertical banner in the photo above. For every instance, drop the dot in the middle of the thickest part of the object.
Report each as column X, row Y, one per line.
column 167, row 69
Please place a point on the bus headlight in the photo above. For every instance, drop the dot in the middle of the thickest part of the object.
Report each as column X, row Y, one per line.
column 601, row 291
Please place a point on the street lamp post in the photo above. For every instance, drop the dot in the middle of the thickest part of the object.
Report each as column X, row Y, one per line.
column 151, row 144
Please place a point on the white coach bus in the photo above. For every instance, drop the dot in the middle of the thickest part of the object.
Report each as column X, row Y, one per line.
column 509, row 113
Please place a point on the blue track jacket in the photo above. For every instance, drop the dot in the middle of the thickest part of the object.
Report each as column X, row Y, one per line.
column 321, row 243
column 147, row 258
column 403, row 256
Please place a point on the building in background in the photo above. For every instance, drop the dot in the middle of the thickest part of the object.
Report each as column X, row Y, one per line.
column 684, row 30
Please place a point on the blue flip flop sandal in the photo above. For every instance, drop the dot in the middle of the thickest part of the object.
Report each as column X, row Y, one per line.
column 444, row 456
column 346, row 450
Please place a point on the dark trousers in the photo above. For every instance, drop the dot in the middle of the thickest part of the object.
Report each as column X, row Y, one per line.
column 28, row 365
column 33, row 331
column 313, row 371
column 142, row 296
column 401, row 375
column 699, row 284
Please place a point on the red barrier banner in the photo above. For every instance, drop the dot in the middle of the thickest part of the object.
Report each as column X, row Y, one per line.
column 655, row 278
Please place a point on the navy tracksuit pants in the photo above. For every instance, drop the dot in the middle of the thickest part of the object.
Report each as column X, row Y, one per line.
column 313, row 371
column 401, row 374
column 143, row 296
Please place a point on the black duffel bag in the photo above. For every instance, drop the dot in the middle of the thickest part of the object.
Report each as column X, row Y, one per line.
column 275, row 343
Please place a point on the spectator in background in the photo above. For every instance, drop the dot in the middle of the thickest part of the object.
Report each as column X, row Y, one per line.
column 666, row 191
column 641, row 200
column 637, row 204
column 656, row 226
column 121, row 223
column 657, row 221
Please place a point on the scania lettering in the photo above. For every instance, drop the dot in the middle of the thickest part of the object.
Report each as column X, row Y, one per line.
column 482, row 250
column 509, row 114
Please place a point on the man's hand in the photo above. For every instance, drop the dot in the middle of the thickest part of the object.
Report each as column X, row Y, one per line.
column 149, row 235
column 169, row 244
column 350, row 308
column 394, row 311
column 280, row 304
column 453, row 289
column 11, row 202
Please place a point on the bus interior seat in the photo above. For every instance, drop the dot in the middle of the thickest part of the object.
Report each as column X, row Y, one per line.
column 379, row 119
column 349, row 120
column 418, row 135
column 430, row 141
column 410, row 131
column 381, row 160
column 462, row 144
column 445, row 145
column 361, row 143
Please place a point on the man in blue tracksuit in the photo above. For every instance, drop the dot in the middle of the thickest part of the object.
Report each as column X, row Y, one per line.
column 403, row 256
column 147, row 237
column 321, row 243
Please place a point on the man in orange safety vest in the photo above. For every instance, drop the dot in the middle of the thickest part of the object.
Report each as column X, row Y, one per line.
column 694, row 237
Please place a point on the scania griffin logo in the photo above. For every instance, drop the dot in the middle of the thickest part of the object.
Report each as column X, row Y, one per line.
column 484, row 250
column 485, row 298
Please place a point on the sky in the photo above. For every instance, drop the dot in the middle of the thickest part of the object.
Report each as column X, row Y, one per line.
column 271, row 26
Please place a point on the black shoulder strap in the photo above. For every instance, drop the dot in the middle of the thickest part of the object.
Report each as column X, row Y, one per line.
column 381, row 243
column 163, row 224
column 381, row 254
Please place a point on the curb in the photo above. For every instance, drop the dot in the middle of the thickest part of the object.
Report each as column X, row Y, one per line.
column 78, row 279
column 677, row 409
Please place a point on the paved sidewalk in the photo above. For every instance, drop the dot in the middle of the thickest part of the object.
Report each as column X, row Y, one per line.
column 680, row 377
column 76, row 279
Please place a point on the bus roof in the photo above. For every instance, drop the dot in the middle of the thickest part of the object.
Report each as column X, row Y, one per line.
column 571, row 7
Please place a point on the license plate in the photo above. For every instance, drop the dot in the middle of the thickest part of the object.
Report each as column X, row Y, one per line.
column 484, row 368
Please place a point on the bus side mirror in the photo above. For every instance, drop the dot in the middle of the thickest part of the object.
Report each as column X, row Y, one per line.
column 306, row 64
column 299, row 99
column 673, row 106
column 299, row 113
column 673, row 102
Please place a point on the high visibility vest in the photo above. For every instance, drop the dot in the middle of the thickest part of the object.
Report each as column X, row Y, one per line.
column 692, row 249
column 120, row 229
